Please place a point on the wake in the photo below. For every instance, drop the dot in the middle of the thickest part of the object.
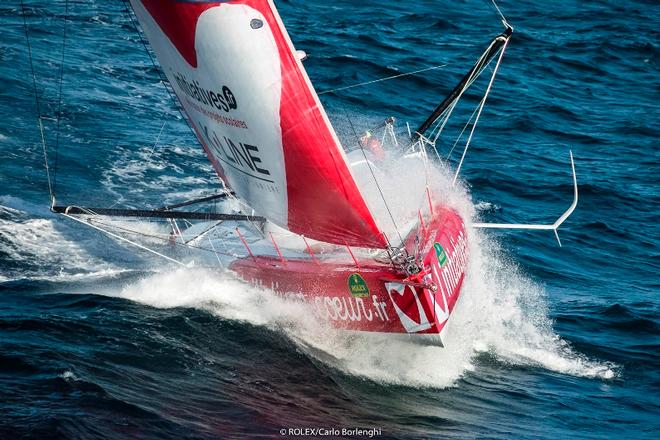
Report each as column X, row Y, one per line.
column 500, row 311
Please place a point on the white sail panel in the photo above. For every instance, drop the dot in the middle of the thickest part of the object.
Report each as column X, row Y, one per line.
column 243, row 88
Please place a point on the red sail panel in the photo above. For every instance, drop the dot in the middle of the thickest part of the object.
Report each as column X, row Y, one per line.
column 248, row 97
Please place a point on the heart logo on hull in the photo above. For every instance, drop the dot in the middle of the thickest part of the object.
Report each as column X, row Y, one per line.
column 408, row 307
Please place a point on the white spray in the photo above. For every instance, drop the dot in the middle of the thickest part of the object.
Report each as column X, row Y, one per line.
column 500, row 311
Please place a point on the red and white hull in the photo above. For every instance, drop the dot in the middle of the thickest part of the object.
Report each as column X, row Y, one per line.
column 375, row 297
column 245, row 92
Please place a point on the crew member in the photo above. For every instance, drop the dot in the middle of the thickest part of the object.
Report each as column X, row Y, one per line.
column 372, row 144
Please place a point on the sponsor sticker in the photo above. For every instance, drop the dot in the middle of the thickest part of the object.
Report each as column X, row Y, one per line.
column 440, row 253
column 357, row 286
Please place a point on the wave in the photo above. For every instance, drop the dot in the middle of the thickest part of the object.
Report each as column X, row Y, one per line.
column 500, row 312
column 35, row 245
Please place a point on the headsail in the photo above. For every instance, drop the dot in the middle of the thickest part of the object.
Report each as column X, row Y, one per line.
column 246, row 93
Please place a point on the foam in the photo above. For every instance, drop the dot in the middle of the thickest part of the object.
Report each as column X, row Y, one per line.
column 45, row 248
column 218, row 292
column 500, row 312
column 158, row 168
column 505, row 313
column 69, row 376
column 373, row 356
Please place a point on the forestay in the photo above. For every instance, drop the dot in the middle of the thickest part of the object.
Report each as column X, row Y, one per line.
column 247, row 96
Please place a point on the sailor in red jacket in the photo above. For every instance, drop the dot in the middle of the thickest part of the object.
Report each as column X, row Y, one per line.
column 372, row 144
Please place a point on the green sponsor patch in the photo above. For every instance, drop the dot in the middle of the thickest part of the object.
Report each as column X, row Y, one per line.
column 440, row 252
column 357, row 286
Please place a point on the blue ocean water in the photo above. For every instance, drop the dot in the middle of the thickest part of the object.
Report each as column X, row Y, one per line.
column 97, row 341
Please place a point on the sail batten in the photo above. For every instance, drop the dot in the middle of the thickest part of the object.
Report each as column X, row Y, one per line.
column 245, row 91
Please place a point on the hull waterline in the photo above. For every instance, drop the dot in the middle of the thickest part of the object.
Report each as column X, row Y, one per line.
column 374, row 297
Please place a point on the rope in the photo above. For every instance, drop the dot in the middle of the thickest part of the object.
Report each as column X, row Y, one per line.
column 497, row 8
column 440, row 66
column 38, row 105
column 481, row 107
column 59, row 103
column 463, row 131
column 382, row 196
column 164, row 81
column 119, row 237
column 161, row 238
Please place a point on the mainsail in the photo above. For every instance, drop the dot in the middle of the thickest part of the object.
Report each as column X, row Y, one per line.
column 247, row 96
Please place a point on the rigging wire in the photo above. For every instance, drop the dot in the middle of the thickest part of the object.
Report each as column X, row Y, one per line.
column 382, row 196
column 38, row 105
column 119, row 237
column 460, row 136
column 443, row 121
column 153, row 148
column 59, row 103
column 164, row 81
column 162, row 238
column 481, row 107
column 439, row 126
column 497, row 8
column 439, row 66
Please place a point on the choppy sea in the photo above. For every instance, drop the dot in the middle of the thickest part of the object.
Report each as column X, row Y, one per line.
column 97, row 341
